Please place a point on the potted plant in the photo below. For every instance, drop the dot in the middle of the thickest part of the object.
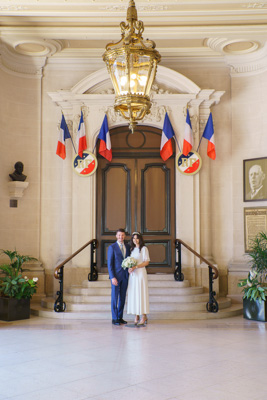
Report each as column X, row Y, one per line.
column 254, row 286
column 15, row 290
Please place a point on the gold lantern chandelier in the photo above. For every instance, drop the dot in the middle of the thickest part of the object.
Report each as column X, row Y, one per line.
column 132, row 65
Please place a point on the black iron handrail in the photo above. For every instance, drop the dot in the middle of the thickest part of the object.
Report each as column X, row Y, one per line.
column 60, row 305
column 212, row 305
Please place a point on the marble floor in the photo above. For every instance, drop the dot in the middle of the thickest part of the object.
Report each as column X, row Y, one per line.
column 48, row 359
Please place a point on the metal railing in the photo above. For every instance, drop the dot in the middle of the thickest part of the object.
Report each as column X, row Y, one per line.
column 60, row 305
column 212, row 305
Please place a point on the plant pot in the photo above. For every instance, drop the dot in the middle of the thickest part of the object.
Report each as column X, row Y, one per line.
column 14, row 309
column 253, row 309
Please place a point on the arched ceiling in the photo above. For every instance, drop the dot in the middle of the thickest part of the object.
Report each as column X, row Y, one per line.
column 185, row 30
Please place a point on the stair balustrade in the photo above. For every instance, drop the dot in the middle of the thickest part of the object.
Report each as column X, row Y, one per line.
column 60, row 305
column 212, row 305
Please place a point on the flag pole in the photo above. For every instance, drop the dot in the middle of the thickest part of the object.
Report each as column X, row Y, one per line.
column 95, row 143
column 177, row 142
column 200, row 141
column 70, row 134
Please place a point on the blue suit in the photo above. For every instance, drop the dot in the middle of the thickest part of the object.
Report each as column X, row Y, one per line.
column 118, row 293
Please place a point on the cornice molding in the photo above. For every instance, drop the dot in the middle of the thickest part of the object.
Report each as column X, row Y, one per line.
column 242, row 56
column 247, row 65
column 24, row 65
column 28, row 57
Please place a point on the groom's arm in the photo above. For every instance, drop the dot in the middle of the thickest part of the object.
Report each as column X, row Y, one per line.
column 111, row 265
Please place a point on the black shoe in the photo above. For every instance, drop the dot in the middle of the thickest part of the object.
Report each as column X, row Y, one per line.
column 122, row 321
column 116, row 322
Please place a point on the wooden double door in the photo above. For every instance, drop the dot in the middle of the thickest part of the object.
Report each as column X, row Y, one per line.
column 136, row 192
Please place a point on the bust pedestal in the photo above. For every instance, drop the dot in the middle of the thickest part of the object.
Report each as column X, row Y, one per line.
column 16, row 189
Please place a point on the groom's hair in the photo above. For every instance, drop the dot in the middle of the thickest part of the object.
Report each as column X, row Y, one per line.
column 121, row 230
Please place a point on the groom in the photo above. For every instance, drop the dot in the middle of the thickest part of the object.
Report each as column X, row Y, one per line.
column 118, row 276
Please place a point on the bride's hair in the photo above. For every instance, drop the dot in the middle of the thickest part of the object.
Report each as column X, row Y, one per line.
column 141, row 241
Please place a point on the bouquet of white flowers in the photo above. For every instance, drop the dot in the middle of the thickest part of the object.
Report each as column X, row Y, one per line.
column 129, row 262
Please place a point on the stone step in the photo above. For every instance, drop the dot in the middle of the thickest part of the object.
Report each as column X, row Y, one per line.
column 167, row 298
column 182, row 291
column 152, row 277
column 155, row 306
column 233, row 310
column 151, row 283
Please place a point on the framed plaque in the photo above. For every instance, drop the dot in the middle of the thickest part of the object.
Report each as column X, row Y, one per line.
column 255, row 221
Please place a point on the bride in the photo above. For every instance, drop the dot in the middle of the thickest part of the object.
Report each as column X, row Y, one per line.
column 138, row 303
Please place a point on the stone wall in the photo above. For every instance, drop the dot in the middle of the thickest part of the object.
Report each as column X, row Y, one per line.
column 55, row 216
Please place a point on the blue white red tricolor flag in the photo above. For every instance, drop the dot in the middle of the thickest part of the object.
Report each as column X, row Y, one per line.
column 188, row 135
column 189, row 164
column 166, row 149
column 81, row 137
column 209, row 135
column 63, row 135
column 105, row 143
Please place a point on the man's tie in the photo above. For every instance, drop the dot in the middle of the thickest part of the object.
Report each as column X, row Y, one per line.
column 122, row 249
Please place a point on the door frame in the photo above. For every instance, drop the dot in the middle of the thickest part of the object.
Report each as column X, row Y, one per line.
column 171, row 252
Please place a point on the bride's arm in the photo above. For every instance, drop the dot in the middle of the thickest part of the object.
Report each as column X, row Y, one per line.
column 142, row 265
column 146, row 259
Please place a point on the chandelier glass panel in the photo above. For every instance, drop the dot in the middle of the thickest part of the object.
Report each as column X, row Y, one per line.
column 132, row 65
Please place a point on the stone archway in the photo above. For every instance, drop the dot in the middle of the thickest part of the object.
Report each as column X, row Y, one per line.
column 172, row 92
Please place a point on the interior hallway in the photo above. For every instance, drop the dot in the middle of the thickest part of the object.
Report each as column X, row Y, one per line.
column 48, row 359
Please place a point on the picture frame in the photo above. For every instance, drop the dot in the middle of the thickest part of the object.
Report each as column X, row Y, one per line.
column 255, row 179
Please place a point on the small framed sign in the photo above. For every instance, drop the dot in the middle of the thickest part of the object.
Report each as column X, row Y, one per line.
column 85, row 165
column 255, row 221
column 190, row 164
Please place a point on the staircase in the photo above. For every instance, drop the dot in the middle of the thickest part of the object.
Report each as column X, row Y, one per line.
column 168, row 299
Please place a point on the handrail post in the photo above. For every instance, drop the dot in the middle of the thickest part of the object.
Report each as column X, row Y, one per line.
column 178, row 275
column 93, row 274
column 212, row 305
column 60, row 305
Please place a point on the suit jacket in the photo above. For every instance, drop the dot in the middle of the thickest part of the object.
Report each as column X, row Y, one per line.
column 115, row 259
column 260, row 195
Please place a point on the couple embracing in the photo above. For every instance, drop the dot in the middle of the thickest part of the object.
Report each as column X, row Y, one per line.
column 134, row 278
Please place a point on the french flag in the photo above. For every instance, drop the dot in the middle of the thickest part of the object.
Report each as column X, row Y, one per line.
column 105, row 143
column 166, row 149
column 63, row 135
column 81, row 137
column 209, row 135
column 188, row 136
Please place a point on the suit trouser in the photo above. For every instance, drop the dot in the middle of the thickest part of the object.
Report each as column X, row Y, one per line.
column 118, row 296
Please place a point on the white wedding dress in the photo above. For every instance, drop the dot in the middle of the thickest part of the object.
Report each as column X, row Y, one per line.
column 138, row 302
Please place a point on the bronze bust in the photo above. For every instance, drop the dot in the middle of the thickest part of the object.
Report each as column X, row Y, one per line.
column 17, row 175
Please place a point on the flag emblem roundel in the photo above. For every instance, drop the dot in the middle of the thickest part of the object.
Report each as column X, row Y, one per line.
column 190, row 164
column 85, row 165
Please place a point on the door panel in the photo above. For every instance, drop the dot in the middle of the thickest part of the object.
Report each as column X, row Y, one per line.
column 136, row 192
column 155, row 198
column 115, row 180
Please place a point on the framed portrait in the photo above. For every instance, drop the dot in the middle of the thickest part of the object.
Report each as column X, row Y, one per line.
column 255, row 179
column 255, row 221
